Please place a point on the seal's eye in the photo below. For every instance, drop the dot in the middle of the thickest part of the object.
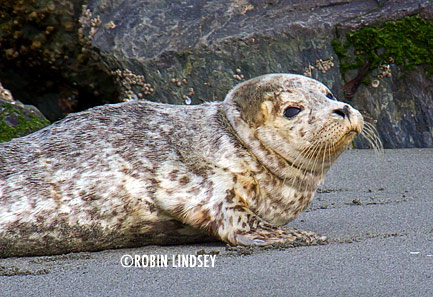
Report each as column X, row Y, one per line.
column 330, row 96
column 290, row 112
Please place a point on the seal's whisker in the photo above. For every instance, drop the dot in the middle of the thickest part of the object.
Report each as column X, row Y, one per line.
column 373, row 133
column 316, row 157
column 301, row 155
column 294, row 164
column 371, row 141
column 323, row 159
column 309, row 156
column 369, row 133
column 299, row 158
column 309, row 151
column 312, row 158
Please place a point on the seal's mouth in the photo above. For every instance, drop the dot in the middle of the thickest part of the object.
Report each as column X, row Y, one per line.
column 353, row 132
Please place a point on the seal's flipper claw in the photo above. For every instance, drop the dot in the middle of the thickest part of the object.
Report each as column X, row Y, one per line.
column 278, row 236
column 244, row 239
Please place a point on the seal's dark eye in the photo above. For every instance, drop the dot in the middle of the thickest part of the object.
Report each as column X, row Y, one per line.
column 330, row 96
column 290, row 112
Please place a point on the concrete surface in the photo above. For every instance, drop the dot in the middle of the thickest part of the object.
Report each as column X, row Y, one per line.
column 377, row 212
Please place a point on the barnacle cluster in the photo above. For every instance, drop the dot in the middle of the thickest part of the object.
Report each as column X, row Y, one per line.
column 132, row 86
column 322, row 65
column 325, row 65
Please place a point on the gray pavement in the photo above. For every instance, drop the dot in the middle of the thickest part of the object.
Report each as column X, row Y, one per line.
column 377, row 212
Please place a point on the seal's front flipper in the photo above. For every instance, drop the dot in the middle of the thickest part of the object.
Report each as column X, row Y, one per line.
column 238, row 225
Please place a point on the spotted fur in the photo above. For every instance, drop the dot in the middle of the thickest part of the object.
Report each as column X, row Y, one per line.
column 140, row 173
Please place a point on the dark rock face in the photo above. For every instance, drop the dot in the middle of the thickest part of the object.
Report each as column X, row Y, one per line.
column 403, row 107
column 188, row 52
column 43, row 60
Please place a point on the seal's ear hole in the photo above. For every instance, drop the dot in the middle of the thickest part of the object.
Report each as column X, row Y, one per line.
column 267, row 107
column 292, row 111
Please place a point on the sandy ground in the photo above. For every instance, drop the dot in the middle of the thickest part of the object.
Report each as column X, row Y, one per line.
column 378, row 214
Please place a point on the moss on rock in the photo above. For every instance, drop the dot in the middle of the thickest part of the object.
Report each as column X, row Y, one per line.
column 16, row 121
column 407, row 42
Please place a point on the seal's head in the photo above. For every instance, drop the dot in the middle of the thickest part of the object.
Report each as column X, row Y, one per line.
column 294, row 117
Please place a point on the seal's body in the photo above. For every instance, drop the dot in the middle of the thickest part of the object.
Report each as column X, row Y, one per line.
column 142, row 173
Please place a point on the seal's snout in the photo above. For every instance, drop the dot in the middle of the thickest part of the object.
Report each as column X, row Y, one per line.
column 351, row 117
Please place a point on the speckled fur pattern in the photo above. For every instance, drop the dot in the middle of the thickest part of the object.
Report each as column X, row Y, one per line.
column 140, row 173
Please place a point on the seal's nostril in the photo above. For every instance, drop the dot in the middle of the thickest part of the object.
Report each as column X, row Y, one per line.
column 340, row 112
column 343, row 112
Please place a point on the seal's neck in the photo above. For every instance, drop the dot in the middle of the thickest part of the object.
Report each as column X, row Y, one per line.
column 283, row 191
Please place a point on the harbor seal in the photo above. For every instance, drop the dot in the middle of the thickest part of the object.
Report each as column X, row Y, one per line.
column 138, row 173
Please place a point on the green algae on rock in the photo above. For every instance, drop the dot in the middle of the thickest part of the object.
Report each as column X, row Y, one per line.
column 17, row 121
column 407, row 42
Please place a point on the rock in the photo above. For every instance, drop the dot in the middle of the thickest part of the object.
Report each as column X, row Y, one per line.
column 17, row 119
column 43, row 59
column 389, row 76
column 402, row 106
column 214, row 45
column 189, row 52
